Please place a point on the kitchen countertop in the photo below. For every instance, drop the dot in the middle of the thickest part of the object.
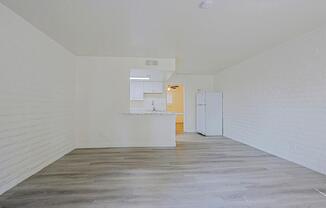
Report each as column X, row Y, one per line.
column 151, row 113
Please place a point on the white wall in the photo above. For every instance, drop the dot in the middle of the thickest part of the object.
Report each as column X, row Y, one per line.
column 277, row 101
column 192, row 83
column 37, row 83
column 103, row 99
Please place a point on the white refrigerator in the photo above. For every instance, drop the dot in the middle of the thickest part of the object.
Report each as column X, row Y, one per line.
column 209, row 111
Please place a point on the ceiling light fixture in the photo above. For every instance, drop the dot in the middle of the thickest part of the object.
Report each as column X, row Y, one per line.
column 206, row 4
column 139, row 78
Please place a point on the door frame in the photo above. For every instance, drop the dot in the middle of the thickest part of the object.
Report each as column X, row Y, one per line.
column 184, row 100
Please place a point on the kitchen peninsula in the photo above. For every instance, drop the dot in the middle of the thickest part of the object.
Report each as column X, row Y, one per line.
column 151, row 129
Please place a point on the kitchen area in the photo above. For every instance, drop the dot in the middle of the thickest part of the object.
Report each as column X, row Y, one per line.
column 152, row 123
column 147, row 90
column 157, row 102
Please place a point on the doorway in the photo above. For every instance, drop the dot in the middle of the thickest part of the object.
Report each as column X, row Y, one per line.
column 175, row 104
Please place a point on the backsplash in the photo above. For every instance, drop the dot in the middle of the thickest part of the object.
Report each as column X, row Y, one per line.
column 146, row 104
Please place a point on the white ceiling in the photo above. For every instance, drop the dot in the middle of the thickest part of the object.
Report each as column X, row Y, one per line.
column 202, row 40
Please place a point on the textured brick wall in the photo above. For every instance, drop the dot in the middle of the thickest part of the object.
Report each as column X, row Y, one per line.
column 37, row 81
column 277, row 101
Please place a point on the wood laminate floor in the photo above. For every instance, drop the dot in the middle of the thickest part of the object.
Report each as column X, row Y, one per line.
column 200, row 172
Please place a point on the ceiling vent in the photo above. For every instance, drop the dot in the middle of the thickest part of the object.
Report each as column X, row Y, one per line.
column 206, row 4
column 151, row 62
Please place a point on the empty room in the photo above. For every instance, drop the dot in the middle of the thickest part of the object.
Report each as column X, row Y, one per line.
column 162, row 103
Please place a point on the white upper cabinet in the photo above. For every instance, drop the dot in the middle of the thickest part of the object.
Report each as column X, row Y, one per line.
column 136, row 90
column 153, row 87
column 139, row 88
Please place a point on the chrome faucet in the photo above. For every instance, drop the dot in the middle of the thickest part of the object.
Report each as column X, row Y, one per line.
column 153, row 106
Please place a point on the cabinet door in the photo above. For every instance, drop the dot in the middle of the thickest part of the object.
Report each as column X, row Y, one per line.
column 136, row 90
column 153, row 87
column 157, row 87
column 147, row 87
